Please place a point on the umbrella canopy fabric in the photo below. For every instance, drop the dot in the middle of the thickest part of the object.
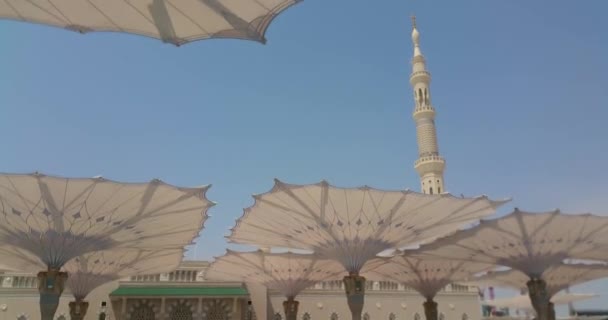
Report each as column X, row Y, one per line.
column 426, row 276
column 289, row 273
column 352, row 225
column 55, row 219
column 172, row 21
column 20, row 260
column 526, row 241
column 557, row 277
column 94, row 269
column 523, row 302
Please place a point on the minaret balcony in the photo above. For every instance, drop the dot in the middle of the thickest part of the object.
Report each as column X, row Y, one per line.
column 431, row 163
column 420, row 76
column 424, row 112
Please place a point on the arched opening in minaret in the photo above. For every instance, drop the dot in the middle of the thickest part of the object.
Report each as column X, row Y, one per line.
column 439, row 190
column 431, row 190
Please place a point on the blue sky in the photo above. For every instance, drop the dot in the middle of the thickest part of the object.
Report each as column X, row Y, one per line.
column 519, row 87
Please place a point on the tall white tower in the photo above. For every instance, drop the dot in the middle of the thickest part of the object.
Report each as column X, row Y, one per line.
column 430, row 165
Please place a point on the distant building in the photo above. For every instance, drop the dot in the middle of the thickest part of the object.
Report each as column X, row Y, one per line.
column 184, row 294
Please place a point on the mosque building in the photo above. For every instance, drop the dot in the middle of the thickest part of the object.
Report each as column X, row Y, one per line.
column 185, row 294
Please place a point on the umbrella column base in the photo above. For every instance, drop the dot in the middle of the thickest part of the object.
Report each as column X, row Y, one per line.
column 541, row 301
column 78, row 309
column 354, row 285
column 430, row 309
column 290, row 307
column 50, row 286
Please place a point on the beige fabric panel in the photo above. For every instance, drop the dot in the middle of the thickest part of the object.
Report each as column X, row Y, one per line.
column 174, row 21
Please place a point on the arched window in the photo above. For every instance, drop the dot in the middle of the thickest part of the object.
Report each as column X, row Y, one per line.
column 431, row 190
column 366, row 316
column 306, row 316
column 392, row 316
column 277, row 316
column 439, row 190
column 334, row 316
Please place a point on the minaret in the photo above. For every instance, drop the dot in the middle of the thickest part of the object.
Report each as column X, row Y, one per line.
column 430, row 164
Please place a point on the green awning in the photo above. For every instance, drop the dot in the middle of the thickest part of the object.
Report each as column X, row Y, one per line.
column 180, row 291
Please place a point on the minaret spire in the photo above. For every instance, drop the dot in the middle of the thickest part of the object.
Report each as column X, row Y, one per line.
column 430, row 165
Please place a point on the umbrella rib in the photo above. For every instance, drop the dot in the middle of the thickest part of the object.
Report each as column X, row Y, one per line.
column 127, row 2
column 63, row 17
column 347, row 212
column 268, row 10
column 8, row 4
column 454, row 216
column 286, row 208
column 65, row 195
column 142, row 214
column 31, row 215
column 88, row 191
column 193, row 21
column 47, row 197
column 234, row 20
column 104, row 15
column 310, row 211
column 394, row 210
column 374, row 213
column 19, row 195
column 416, row 211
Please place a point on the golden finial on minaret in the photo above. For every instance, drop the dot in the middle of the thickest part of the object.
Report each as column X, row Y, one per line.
column 415, row 37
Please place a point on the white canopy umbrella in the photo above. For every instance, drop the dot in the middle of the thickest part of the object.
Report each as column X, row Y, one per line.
column 530, row 243
column 557, row 278
column 288, row 273
column 352, row 225
column 426, row 276
column 172, row 21
column 53, row 220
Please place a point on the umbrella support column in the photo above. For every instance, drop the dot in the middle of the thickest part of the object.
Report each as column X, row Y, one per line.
column 354, row 285
column 50, row 286
column 290, row 306
column 78, row 309
column 430, row 309
column 541, row 301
